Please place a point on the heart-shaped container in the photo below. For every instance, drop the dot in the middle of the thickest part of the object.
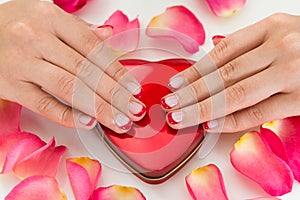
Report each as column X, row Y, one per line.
column 151, row 149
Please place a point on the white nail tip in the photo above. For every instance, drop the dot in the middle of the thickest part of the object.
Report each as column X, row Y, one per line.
column 121, row 120
column 177, row 116
column 133, row 88
column 171, row 100
column 176, row 82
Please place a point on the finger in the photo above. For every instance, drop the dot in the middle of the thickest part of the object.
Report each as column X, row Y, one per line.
column 236, row 70
column 98, row 81
column 72, row 90
column 241, row 95
column 256, row 115
column 88, row 43
column 227, row 49
column 46, row 105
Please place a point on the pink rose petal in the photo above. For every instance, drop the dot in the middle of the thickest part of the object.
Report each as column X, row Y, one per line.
column 181, row 24
column 225, row 8
column 70, row 5
column 9, row 117
column 37, row 188
column 7, row 142
column 116, row 192
column 206, row 183
column 252, row 158
column 265, row 198
column 285, row 141
column 126, row 34
column 44, row 161
column 84, row 174
column 20, row 150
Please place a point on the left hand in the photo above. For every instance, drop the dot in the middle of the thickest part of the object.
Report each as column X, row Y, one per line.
column 249, row 78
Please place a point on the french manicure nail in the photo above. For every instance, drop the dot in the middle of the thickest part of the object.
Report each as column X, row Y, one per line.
column 175, row 117
column 123, row 121
column 210, row 124
column 86, row 120
column 169, row 101
column 176, row 82
column 137, row 109
column 134, row 88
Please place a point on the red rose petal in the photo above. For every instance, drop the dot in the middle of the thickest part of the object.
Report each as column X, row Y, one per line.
column 44, row 161
column 70, row 5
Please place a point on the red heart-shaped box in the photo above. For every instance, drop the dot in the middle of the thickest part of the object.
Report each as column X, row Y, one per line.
column 151, row 149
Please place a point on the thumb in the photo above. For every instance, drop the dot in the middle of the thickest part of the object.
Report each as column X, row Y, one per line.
column 103, row 32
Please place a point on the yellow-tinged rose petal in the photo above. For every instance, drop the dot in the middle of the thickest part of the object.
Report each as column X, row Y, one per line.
column 179, row 23
column 83, row 174
column 206, row 183
column 283, row 137
column 117, row 192
column 126, row 34
column 252, row 158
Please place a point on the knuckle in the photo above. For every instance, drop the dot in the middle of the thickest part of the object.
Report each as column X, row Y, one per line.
column 220, row 49
column 23, row 30
column 92, row 43
column 290, row 43
column 203, row 112
column 119, row 73
column 100, row 110
column 195, row 92
column 232, row 122
column 63, row 117
column 83, row 68
column 45, row 104
column 227, row 72
column 236, row 94
column 255, row 114
column 45, row 9
column 277, row 19
column 66, row 84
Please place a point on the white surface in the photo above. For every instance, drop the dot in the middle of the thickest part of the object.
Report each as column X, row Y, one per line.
column 238, row 187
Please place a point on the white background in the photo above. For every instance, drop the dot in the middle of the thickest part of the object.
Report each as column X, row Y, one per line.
column 238, row 187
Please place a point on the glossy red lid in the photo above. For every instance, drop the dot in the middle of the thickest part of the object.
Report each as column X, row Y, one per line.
column 151, row 149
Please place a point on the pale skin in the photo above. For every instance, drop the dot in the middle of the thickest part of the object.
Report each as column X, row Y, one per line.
column 259, row 68
column 42, row 58
column 48, row 53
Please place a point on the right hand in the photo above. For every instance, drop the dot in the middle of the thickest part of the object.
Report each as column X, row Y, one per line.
column 45, row 49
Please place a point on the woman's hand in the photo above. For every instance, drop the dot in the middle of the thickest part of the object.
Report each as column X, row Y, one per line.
column 45, row 51
column 250, row 77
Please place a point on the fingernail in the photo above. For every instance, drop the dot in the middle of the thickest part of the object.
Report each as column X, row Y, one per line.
column 176, row 82
column 217, row 38
column 169, row 101
column 106, row 26
column 134, row 88
column 210, row 124
column 123, row 122
column 175, row 117
column 137, row 109
column 86, row 120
